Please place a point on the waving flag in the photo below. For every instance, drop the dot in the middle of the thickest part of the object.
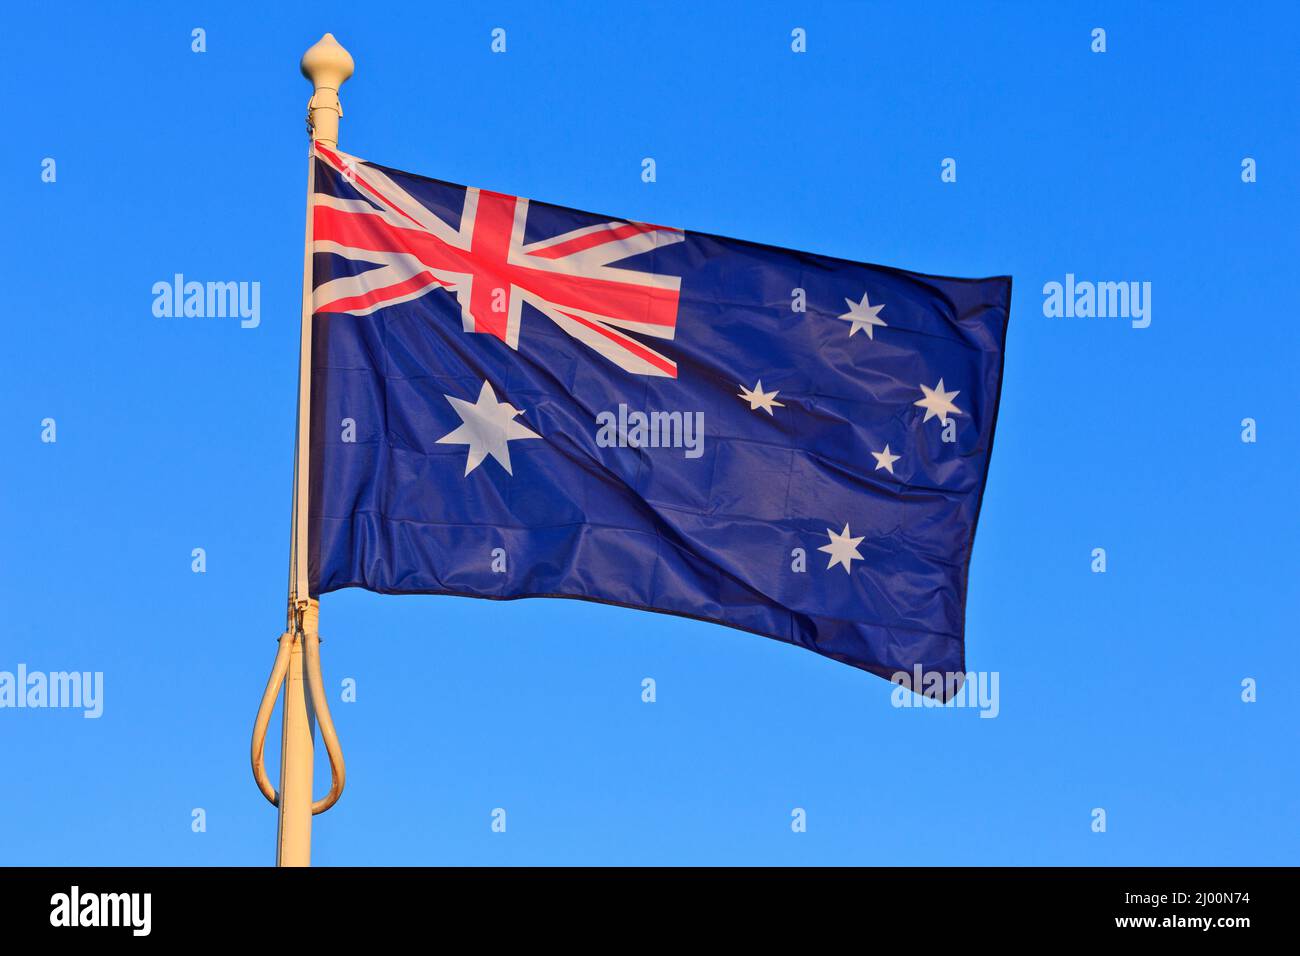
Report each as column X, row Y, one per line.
column 514, row 399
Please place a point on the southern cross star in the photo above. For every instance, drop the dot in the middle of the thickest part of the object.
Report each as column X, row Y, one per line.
column 885, row 460
column 864, row 316
column 843, row 549
column 758, row 398
column 488, row 427
column 937, row 402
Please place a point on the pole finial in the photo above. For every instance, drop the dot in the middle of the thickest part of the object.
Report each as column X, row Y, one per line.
column 328, row 66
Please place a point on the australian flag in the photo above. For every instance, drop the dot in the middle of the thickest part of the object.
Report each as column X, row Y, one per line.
column 515, row 399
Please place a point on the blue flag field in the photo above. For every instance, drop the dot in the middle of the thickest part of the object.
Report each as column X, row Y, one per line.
column 514, row 399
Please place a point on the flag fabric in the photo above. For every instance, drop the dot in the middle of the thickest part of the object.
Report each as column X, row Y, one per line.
column 515, row 399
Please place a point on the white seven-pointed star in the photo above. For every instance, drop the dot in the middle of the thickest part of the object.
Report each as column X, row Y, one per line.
column 488, row 426
column 885, row 460
column 863, row 315
column 842, row 549
column 758, row 398
column 938, row 402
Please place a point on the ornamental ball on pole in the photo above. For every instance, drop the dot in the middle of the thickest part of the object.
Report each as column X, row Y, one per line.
column 328, row 66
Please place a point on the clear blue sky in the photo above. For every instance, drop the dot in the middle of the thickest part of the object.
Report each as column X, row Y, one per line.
column 1118, row 690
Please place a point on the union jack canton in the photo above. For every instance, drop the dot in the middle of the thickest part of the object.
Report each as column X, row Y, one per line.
column 485, row 263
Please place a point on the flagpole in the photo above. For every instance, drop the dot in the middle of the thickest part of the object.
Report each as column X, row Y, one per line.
column 297, row 664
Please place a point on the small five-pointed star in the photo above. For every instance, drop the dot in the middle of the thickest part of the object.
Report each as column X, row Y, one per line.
column 863, row 315
column 843, row 549
column 488, row 427
column 938, row 402
column 758, row 398
column 885, row 460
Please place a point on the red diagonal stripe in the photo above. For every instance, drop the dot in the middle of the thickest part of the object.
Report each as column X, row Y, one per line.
column 609, row 233
column 628, row 344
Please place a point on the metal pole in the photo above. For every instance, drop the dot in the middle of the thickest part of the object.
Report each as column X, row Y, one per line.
column 297, row 740
column 327, row 65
